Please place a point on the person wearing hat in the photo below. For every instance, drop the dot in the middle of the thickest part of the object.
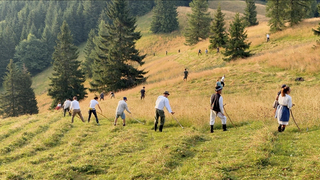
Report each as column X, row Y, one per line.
column 216, row 103
column 161, row 102
column 276, row 103
column 122, row 105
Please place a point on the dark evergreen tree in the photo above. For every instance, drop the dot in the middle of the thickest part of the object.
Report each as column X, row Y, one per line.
column 297, row 10
column 32, row 54
column 113, row 68
column 236, row 46
column 9, row 103
column 198, row 22
column 165, row 17
column 27, row 103
column 317, row 33
column 89, row 54
column 140, row 7
column 67, row 79
column 218, row 32
column 183, row 2
column 276, row 13
column 250, row 14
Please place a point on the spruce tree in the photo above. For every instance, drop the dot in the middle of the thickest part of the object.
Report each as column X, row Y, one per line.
column 297, row 10
column 317, row 33
column 9, row 102
column 198, row 22
column 27, row 103
column 113, row 68
column 165, row 17
column 67, row 79
column 276, row 12
column 89, row 54
column 250, row 14
column 218, row 32
column 236, row 46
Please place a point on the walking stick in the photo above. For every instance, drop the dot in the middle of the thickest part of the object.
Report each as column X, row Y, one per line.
column 228, row 116
column 177, row 121
column 101, row 114
column 136, row 119
column 294, row 120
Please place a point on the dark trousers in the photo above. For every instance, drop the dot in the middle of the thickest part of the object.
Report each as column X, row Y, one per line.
column 65, row 110
column 222, row 83
column 95, row 115
column 159, row 113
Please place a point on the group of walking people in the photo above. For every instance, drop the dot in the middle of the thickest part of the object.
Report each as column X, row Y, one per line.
column 282, row 106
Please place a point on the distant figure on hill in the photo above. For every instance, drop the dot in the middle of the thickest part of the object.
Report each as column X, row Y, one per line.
column 75, row 108
column 66, row 107
column 102, row 96
column 143, row 93
column 185, row 75
column 218, row 50
column 154, row 54
column 92, row 109
column 216, row 106
column 179, row 51
column 112, row 95
column 122, row 105
column 283, row 109
column 276, row 103
column 206, row 51
column 268, row 37
column 161, row 102
column 166, row 52
column 58, row 106
column 199, row 52
column 218, row 83
column 222, row 80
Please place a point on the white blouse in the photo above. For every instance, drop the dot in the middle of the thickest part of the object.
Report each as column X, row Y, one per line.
column 285, row 101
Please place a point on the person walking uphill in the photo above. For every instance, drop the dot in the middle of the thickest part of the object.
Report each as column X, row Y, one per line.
column 122, row 105
column 75, row 108
column 283, row 110
column 92, row 109
column 161, row 102
column 185, row 78
column 143, row 93
column 216, row 103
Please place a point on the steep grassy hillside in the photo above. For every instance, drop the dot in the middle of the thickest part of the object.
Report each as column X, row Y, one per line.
column 48, row 146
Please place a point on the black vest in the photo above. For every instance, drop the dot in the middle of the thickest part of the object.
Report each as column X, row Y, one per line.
column 215, row 106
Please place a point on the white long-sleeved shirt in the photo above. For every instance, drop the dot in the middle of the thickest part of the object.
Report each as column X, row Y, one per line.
column 66, row 104
column 222, row 79
column 75, row 105
column 220, row 104
column 285, row 101
column 122, row 105
column 163, row 102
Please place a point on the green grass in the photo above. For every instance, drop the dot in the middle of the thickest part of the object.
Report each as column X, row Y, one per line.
column 87, row 151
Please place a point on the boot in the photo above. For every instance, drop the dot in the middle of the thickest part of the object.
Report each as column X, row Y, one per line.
column 279, row 128
column 211, row 128
column 224, row 127
column 160, row 128
column 283, row 128
column 155, row 127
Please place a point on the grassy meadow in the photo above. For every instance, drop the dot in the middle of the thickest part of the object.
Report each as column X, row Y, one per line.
column 48, row 146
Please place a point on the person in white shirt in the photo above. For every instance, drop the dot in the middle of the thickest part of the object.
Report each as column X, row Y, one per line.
column 75, row 108
column 222, row 80
column 122, row 105
column 161, row 102
column 92, row 109
column 268, row 37
column 216, row 106
column 66, row 107
column 283, row 110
